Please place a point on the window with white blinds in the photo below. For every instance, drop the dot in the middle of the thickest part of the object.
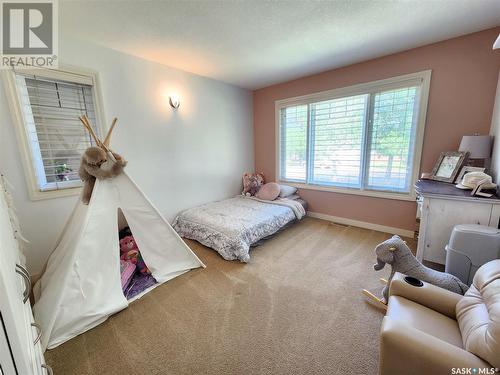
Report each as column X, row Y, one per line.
column 294, row 142
column 337, row 140
column 391, row 139
column 56, row 137
column 368, row 139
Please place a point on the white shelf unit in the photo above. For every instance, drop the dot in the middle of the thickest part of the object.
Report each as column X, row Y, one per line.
column 20, row 349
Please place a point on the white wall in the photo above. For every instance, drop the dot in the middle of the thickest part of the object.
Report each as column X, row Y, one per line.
column 495, row 132
column 179, row 158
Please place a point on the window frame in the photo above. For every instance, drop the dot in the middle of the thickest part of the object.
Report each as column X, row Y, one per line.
column 67, row 73
column 358, row 89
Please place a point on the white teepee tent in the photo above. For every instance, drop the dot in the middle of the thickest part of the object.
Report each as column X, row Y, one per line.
column 81, row 285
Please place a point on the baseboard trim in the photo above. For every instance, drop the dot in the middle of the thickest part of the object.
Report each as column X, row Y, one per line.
column 362, row 224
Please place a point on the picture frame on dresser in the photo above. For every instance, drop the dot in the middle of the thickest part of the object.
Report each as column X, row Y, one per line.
column 448, row 166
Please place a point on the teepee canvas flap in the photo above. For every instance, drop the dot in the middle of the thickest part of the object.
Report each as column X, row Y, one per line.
column 165, row 253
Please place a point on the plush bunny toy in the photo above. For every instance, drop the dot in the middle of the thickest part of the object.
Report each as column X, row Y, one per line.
column 98, row 162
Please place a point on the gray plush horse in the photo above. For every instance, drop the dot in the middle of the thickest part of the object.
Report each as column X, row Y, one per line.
column 395, row 252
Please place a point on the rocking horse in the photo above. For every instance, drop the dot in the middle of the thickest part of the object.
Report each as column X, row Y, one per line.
column 395, row 252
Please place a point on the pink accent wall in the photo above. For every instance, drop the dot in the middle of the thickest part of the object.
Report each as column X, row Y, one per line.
column 462, row 93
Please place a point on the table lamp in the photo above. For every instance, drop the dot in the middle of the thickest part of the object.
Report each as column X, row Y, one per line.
column 479, row 148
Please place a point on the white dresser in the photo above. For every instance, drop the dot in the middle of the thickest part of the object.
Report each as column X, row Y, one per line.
column 20, row 349
column 442, row 206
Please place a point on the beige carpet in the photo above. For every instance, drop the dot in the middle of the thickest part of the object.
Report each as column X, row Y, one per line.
column 296, row 308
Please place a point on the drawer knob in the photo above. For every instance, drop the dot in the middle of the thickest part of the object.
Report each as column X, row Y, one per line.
column 48, row 369
column 38, row 334
column 27, row 281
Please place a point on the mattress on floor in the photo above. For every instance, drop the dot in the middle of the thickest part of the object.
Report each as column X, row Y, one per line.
column 303, row 203
column 232, row 225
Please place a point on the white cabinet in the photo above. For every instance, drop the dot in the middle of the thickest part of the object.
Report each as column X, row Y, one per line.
column 495, row 216
column 438, row 218
column 20, row 349
column 442, row 206
column 7, row 363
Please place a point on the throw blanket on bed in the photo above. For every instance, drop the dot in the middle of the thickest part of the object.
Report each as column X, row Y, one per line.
column 230, row 226
column 295, row 206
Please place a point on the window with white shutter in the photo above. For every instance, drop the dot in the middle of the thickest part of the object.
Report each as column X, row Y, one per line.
column 364, row 139
column 49, row 106
column 337, row 141
column 392, row 139
column 294, row 142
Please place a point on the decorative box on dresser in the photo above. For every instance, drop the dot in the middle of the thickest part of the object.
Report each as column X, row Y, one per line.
column 441, row 206
column 20, row 349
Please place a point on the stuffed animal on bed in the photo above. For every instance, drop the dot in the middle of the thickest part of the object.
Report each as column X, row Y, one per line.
column 96, row 164
column 252, row 183
column 130, row 252
column 395, row 252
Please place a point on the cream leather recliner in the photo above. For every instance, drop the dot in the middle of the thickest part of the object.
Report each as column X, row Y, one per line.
column 429, row 330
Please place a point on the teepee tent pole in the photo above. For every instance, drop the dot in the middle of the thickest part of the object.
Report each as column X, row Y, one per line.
column 105, row 146
column 86, row 123
column 107, row 140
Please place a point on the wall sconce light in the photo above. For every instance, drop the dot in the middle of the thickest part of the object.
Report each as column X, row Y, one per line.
column 496, row 45
column 174, row 101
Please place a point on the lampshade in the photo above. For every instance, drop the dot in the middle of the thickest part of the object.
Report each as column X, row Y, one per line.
column 479, row 146
column 496, row 45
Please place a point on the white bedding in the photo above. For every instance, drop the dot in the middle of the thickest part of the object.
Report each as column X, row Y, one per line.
column 231, row 226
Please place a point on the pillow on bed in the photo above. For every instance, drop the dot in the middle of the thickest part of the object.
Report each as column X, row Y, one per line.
column 269, row 191
column 287, row 190
column 293, row 197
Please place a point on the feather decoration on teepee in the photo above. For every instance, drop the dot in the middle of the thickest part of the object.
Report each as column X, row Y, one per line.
column 5, row 187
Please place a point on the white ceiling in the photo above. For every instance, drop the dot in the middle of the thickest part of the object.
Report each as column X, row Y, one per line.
column 257, row 43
